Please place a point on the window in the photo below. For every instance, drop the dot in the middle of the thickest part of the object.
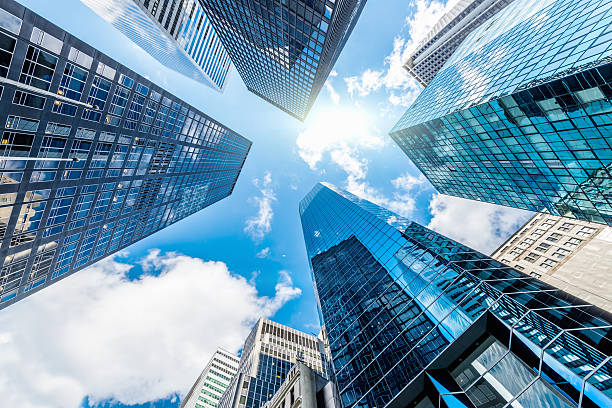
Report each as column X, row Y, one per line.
column 527, row 242
column 71, row 86
column 38, row 68
column 548, row 264
column 554, row 237
column 517, row 251
column 542, row 247
column 585, row 231
column 126, row 81
column 98, row 94
column 573, row 242
column 532, row 257
column 7, row 47
column 560, row 253
column 106, row 71
column 79, row 57
column 119, row 101
column 19, row 123
column 538, row 232
column 28, row 99
column 16, row 144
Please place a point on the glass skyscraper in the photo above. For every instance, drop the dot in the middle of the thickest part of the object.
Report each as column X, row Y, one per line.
column 175, row 32
column 93, row 156
column 268, row 354
column 415, row 319
column 520, row 113
column 284, row 50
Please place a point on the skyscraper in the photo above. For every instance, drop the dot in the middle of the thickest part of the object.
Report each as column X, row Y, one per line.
column 146, row 159
column 175, row 32
column 415, row 319
column 439, row 44
column 268, row 354
column 518, row 114
column 284, row 50
column 213, row 381
column 573, row 255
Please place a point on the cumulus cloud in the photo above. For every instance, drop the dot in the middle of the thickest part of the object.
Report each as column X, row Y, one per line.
column 330, row 88
column 97, row 333
column 260, row 224
column 479, row 225
column 401, row 88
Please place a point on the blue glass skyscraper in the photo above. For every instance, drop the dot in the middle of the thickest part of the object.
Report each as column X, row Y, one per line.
column 520, row 113
column 146, row 159
column 415, row 319
column 175, row 32
column 284, row 50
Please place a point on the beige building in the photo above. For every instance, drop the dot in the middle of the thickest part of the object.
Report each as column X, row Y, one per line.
column 573, row 255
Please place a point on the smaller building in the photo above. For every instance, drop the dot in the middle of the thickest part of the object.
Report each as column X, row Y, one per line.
column 573, row 255
column 214, row 380
column 304, row 388
column 444, row 38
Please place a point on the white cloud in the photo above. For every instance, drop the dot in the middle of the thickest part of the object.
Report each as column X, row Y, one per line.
column 479, row 225
column 259, row 225
column 400, row 86
column 97, row 333
column 330, row 88
column 264, row 253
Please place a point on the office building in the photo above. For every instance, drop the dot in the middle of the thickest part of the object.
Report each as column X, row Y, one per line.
column 268, row 354
column 304, row 388
column 415, row 319
column 518, row 114
column 146, row 159
column 284, row 50
column 573, row 255
column 177, row 33
column 213, row 381
column 439, row 44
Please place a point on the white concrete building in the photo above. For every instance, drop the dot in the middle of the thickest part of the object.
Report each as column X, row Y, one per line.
column 214, row 380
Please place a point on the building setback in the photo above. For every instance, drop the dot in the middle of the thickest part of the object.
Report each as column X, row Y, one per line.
column 573, row 255
column 439, row 44
column 415, row 319
column 176, row 32
column 213, row 381
column 519, row 115
column 284, row 50
column 268, row 354
column 146, row 159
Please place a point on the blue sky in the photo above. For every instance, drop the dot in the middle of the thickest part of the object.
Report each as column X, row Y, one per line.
column 136, row 329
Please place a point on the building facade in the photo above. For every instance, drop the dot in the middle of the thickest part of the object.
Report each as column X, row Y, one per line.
column 284, row 50
column 518, row 116
column 415, row 319
column 572, row 255
column 213, row 381
column 177, row 33
column 146, row 159
column 304, row 388
column 439, row 44
column 268, row 354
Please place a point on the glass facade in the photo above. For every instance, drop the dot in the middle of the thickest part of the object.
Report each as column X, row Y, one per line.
column 120, row 157
column 284, row 50
column 415, row 319
column 519, row 115
column 177, row 33
column 268, row 354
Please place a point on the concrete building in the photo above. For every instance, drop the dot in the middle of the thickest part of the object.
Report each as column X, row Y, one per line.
column 304, row 388
column 268, row 354
column 98, row 157
column 177, row 33
column 213, row 381
column 435, row 49
column 573, row 255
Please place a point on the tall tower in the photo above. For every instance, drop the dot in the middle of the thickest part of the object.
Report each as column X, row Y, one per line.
column 415, row 319
column 284, row 50
column 96, row 157
column 177, row 33
column 439, row 44
column 213, row 381
column 518, row 115
column 268, row 354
